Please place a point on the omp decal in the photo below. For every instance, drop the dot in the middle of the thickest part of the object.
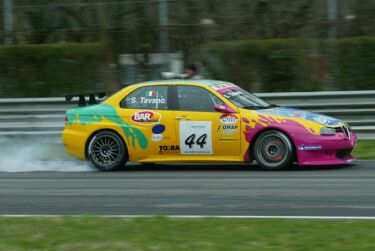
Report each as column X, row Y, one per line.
column 195, row 137
column 230, row 129
column 97, row 113
column 228, row 119
column 146, row 117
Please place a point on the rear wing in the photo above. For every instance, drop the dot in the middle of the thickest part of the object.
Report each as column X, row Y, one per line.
column 82, row 98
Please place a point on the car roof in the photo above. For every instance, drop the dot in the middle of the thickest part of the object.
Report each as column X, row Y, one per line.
column 207, row 82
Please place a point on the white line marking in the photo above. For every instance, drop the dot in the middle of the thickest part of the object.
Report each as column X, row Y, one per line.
column 200, row 216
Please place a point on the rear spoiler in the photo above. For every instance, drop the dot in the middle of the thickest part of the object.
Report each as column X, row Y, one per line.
column 82, row 98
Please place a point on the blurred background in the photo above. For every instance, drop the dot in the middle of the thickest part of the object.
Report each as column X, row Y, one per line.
column 55, row 47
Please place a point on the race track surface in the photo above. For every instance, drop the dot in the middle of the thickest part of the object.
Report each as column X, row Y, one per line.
column 194, row 190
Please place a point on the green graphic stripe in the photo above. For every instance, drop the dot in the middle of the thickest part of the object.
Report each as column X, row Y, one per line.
column 96, row 113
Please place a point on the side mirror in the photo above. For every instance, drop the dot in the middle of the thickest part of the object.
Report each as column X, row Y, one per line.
column 224, row 109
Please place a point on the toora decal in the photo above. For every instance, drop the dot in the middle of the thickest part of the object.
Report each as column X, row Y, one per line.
column 146, row 117
column 164, row 149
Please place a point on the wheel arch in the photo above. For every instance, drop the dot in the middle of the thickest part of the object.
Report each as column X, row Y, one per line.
column 256, row 136
column 104, row 130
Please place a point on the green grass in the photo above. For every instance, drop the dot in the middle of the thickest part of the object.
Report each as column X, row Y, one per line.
column 365, row 149
column 161, row 233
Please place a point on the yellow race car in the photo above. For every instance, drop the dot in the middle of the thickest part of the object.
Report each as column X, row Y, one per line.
column 201, row 121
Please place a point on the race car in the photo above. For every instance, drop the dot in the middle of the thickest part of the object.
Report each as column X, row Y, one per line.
column 202, row 121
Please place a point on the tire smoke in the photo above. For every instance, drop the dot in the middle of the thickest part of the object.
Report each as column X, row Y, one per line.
column 35, row 154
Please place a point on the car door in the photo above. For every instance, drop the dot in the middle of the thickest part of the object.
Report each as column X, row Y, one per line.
column 200, row 129
column 147, row 108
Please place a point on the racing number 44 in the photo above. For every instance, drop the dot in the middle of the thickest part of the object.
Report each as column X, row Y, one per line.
column 196, row 137
column 201, row 141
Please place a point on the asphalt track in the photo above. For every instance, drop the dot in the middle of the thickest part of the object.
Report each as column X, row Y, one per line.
column 194, row 190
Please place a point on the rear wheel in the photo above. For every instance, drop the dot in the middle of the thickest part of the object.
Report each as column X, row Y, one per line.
column 107, row 151
column 273, row 151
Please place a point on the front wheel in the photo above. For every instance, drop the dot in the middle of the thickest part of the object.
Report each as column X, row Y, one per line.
column 273, row 151
column 107, row 151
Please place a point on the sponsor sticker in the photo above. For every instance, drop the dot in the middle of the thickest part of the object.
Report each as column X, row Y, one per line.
column 146, row 117
column 196, row 137
column 169, row 149
column 230, row 131
column 221, row 86
column 158, row 129
column 157, row 137
column 310, row 148
column 228, row 119
column 227, row 129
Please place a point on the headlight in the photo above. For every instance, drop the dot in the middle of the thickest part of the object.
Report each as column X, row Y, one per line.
column 327, row 131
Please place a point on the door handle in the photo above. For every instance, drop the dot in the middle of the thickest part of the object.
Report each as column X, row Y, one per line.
column 182, row 118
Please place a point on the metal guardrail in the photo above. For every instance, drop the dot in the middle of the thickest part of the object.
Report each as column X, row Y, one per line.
column 45, row 116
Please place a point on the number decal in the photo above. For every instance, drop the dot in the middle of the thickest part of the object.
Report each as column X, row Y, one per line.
column 201, row 141
column 190, row 141
column 196, row 137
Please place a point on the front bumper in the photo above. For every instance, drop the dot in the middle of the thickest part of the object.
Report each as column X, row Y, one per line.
column 325, row 150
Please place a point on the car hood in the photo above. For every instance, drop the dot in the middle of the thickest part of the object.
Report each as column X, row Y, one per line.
column 296, row 113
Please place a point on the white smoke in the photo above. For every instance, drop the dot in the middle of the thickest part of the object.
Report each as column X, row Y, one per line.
column 31, row 155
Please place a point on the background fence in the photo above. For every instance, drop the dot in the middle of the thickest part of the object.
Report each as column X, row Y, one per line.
column 322, row 59
column 45, row 116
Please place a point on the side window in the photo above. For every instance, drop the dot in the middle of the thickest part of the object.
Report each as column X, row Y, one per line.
column 195, row 98
column 148, row 97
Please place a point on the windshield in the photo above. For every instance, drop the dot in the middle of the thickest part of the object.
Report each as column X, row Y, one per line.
column 240, row 97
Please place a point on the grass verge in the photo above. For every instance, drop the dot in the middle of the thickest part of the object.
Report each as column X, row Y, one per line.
column 365, row 149
column 161, row 233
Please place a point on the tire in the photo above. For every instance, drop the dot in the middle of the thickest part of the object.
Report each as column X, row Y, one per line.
column 107, row 151
column 273, row 151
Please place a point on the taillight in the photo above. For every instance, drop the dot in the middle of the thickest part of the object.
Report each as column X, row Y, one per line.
column 66, row 119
